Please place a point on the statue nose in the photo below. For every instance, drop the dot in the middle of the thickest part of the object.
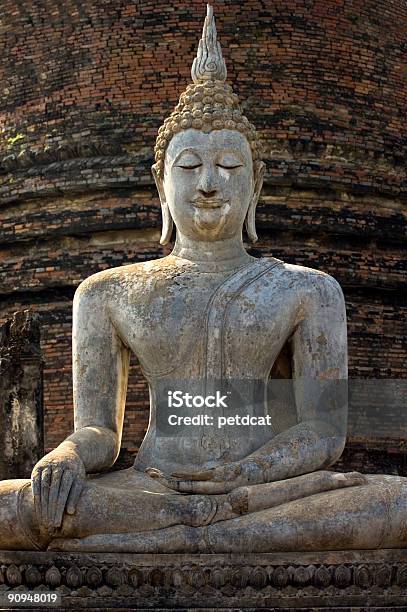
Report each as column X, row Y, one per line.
column 208, row 193
column 207, row 185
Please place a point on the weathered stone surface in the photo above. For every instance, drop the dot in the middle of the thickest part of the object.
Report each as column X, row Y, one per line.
column 321, row 581
column 208, row 318
column 325, row 89
column 21, row 415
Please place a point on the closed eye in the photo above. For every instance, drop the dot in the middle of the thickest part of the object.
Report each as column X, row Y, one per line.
column 229, row 167
column 189, row 167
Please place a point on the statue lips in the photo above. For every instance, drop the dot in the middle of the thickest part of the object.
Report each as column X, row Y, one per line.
column 208, row 204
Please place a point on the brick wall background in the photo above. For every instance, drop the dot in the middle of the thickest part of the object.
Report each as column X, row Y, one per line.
column 85, row 86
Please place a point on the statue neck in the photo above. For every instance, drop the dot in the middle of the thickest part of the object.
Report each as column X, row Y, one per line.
column 225, row 254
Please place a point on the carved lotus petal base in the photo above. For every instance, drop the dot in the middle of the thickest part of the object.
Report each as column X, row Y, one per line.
column 325, row 580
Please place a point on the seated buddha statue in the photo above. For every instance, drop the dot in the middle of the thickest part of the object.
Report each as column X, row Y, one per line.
column 208, row 313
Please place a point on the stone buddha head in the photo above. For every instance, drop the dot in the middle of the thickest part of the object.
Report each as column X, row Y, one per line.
column 208, row 170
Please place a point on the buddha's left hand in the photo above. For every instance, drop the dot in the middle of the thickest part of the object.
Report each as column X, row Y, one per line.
column 221, row 479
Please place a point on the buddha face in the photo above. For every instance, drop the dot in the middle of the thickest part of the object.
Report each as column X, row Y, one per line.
column 209, row 183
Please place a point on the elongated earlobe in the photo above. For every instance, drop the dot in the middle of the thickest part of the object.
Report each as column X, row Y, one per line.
column 250, row 221
column 168, row 224
column 167, row 221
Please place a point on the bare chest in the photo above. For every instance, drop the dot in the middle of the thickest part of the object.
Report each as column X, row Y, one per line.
column 208, row 325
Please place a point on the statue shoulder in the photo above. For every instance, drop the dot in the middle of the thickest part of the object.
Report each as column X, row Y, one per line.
column 100, row 283
column 319, row 287
column 114, row 281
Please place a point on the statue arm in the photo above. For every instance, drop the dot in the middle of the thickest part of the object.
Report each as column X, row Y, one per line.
column 100, row 373
column 100, row 369
column 319, row 361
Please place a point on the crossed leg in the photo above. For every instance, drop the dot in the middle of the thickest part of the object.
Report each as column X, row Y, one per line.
column 368, row 516
column 303, row 513
column 120, row 501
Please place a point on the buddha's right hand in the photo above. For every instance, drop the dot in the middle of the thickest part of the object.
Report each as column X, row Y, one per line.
column 57, row 482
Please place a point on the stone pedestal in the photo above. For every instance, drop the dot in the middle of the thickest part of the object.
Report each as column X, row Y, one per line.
column 325, row 580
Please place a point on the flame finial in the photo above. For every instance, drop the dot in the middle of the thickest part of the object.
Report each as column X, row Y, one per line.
column 209, row 64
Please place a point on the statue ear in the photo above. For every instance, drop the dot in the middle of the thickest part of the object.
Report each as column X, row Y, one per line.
column 168, row 223
column 250, row 221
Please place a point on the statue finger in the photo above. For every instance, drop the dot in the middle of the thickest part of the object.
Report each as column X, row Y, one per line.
column 162, row 478
column 57, row 474
column 184, row 485
column 154, row 473
column 219, row 474
column 227, row 473
column 36, row 490
column 348, row 479
column 205, row 487
column 64, row 489
column 74, row 495
column 198, row 486
column 165, row 480
column 168, row 481
column 356, row 477
column 202, row 475
column 45, row 486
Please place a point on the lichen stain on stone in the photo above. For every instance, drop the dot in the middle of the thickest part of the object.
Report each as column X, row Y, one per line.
column 322, row 340
column 331, row 373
